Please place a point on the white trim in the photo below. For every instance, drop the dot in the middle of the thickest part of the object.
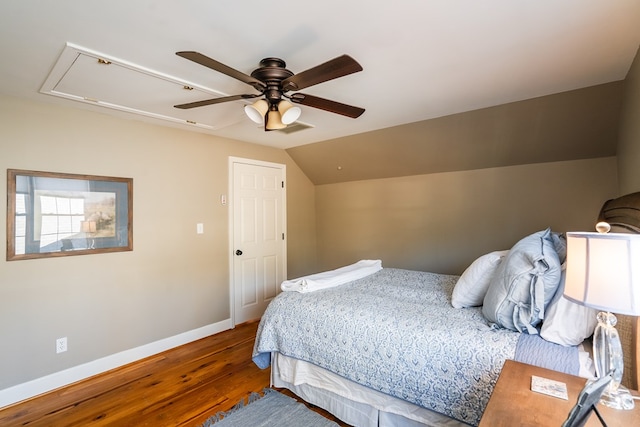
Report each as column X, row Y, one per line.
column 59, row 379
column 282, row 166
column 233, row 160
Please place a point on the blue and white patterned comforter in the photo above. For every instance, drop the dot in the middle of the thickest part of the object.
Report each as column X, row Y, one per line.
column 396, row 332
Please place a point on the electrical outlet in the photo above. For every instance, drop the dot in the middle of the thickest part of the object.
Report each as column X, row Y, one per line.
column 61, row 345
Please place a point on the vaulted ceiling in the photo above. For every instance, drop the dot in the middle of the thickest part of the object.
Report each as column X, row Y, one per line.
column 422, row 60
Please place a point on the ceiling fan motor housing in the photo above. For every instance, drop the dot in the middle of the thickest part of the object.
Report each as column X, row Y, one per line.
column 272, row 72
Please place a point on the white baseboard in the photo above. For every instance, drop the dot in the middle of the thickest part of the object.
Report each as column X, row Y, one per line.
column 59, row 379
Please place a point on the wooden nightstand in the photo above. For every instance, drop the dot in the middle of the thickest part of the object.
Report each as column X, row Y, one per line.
column 513, row 403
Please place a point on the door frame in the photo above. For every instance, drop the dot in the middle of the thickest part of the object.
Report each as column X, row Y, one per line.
column 230, row 202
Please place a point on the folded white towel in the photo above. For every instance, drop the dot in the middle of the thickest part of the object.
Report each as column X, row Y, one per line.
column 337, row 277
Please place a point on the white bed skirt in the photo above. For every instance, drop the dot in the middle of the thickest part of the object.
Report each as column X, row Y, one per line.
column 353, row 403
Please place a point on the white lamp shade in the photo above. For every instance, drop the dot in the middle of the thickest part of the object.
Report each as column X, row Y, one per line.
column 257, row 110
column 288, row 112
column 274, row 121
column 603, row 271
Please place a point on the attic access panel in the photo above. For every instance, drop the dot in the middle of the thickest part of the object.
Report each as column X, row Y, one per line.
column 94, row 78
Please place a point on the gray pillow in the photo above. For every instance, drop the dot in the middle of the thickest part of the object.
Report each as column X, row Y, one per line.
column 560, row 244
column 523, row 284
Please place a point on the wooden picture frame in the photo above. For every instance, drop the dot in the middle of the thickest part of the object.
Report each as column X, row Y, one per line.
column 59, row 214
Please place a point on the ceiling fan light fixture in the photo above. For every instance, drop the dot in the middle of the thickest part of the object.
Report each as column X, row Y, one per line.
column 273, row 80
column 289, row 113
column 274, row 120
column 257, row 110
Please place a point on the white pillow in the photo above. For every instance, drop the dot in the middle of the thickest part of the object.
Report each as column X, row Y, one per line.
column 567, row 323
column 474, row 282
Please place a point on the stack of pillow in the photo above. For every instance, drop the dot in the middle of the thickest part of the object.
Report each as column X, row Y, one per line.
column 522, row 288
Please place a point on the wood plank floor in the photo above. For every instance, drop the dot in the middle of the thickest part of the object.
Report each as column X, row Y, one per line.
column 180, row 387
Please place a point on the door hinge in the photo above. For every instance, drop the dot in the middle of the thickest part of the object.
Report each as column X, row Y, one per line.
column 282, row 184
column 282, row 236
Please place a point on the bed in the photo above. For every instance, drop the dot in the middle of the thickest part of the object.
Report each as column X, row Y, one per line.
column 390, row 349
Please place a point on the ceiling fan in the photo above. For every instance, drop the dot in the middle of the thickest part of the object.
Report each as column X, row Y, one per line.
column 273, row 81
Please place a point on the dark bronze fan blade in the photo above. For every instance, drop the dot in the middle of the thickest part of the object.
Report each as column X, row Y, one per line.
column 337, row 67
column 221, row 68
column 215, row 101
column 327, row 105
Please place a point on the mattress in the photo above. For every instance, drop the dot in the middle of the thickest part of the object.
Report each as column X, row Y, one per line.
column 353, row 403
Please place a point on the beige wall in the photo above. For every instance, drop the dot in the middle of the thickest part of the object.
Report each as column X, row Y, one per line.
column 629, row 143
column 174, row 280
column 441, row 222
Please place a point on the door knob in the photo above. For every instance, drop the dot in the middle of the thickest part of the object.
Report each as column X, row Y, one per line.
column 238, row 252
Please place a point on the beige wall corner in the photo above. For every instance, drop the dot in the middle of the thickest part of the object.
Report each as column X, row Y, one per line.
column 629, row 142
column 442, row 222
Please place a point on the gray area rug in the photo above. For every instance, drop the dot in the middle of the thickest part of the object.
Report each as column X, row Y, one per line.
column 270, row 409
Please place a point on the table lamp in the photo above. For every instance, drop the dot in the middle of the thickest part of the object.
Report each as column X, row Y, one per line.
column 603, row 272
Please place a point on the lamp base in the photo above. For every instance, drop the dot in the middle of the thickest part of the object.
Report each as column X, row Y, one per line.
column 618, row 398
column 607, row 356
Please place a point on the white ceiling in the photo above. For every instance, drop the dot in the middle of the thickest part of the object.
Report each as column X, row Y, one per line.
column 421, row 58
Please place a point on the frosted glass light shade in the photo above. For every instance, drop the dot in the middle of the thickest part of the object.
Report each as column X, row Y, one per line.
column 257, row 110
column 603, row 271
column 274, row 121
column 289, row 113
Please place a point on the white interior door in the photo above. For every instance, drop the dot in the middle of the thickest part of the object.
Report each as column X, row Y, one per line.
column 258, row 242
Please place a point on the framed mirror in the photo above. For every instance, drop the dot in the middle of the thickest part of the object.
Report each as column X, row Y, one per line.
column 58, row 214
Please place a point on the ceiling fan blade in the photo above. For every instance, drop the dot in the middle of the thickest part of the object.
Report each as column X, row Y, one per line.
column 327, row 105
column 214, row 101
column 337, row 67
column 221, row 68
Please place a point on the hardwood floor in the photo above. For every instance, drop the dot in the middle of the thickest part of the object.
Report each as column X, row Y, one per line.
column 180, row 387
